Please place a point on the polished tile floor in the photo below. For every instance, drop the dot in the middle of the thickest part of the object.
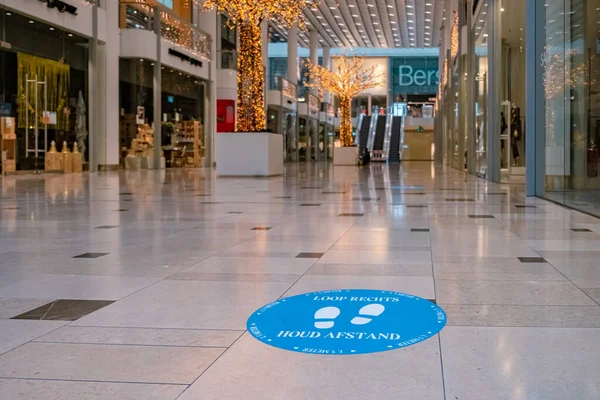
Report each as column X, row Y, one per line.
column 138, row 285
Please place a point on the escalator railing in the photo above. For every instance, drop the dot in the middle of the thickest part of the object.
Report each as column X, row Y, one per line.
column 396, row 139
column 373, row 124
column 358, row 128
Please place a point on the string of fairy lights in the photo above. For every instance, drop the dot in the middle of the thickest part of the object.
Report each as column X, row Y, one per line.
column 454, row 37
column 349, row 79
column 173, row 29
column 247, row 16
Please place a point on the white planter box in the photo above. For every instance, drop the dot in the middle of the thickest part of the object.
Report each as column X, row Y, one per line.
column 133, row 163
column 147, row 162
column 345, row 156
column 249, row 154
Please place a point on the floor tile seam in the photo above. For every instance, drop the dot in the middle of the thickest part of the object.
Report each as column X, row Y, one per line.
column 93, row 381
column 372, row 276
column 526, row 327
column 211, row 364
column 153, row 328
column 435, row 297
column 124, row 297
column 169, row 346
column 564, row 280
column 519, row 239
column 560, row 272
column 219, row 253
column 317, row 260
column 492, row 325
column 517, row 305
column 186, row 267
column 573, row 283
column 35, row 338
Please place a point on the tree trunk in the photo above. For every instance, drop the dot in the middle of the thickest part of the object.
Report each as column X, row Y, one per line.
column 251, row 98
column 345, row 122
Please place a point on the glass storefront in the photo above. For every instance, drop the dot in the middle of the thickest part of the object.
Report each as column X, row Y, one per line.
column 137, row 108
column 512, row 91
column 560, row 105
column 480, row 74
column 182, row 120
column 570, row 78
column 43, row 91
column 484, row 117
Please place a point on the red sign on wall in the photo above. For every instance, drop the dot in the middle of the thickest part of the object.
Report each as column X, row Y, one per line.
column 225, row 115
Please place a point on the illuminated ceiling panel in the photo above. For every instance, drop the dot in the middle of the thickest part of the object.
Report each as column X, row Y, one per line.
column 373, row 23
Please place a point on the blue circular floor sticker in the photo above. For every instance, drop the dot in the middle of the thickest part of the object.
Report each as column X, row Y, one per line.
column 351, row 321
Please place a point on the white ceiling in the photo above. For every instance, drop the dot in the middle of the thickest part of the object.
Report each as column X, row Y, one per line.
column 372, row 23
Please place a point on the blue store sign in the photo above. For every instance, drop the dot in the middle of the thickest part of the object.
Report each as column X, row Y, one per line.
column 351, row 321
column 414, row 75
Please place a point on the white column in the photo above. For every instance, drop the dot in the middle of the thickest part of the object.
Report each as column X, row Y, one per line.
column 107, row 150
column 326, row 64
column 157, row 91
column 94, row 104
column 327, row 57
column 210, row 23
column 292, row 74
column 314, row 48
column 494, row 88
column 314, row 59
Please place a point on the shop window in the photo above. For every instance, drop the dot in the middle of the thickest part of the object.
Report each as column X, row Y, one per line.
column 228, row 35
column 136, row 134
column 182, row 116
column 277, row 67
column 167, row 3
column 45, row 88
column 571, row 121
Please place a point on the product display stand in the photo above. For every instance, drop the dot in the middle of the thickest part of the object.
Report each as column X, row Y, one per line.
column 53, row 159
column 140, row 155
column 66, row 159
column 76, row 159
column 191, row 132
column 8, row 147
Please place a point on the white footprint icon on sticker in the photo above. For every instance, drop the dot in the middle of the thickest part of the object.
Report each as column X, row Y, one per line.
column 367, row 313
column 324, row 317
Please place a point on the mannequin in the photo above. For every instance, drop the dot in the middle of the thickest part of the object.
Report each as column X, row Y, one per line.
column 515, row 132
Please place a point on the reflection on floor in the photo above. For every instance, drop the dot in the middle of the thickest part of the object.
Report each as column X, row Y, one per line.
column 157, row 273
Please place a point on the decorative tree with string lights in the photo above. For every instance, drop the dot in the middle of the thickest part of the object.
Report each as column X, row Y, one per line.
column 247, row 16
column 349, row 79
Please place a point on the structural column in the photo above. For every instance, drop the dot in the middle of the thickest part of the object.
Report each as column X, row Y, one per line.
column 292, row 64
column 93, row 100
column 210, row 21
column 534, row 129
column 327, row 64
column 157, row 85
column 290, row 139
column 314, row 47
column 314, row 59
column 470, row 106
column 107, row 144
column 493, row 105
